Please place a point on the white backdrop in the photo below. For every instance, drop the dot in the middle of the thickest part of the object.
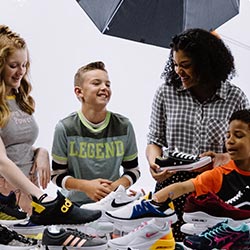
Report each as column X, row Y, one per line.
column 61, row 38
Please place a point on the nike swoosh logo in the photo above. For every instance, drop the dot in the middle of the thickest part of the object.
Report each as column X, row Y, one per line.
column 114, row 204
column 148, row 235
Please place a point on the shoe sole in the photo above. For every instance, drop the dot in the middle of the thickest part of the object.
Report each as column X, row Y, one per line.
column 209, row 220
column 204, row 161
column 3, row 247
column 162, row 244
column 28, row 230
column 102, row 247
column 159, row 244
column 193, row 229
column 12, row 222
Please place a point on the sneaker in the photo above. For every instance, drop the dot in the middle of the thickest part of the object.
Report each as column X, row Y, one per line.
column 147, row 236
column 113, row 201
column 61, row 238
column 10, row 213
column 178, row 161
column 193, row 229
column 242, row 244
column 27, row 228
column 131, row 216
column 9, row 200
column 242, row 199
column 60, row 211
column 221, row 236
column 99, row 228
column 11, row 240
column 210, row 209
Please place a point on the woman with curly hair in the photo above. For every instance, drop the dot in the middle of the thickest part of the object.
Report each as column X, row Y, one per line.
column 18, row 129
column 191, row 109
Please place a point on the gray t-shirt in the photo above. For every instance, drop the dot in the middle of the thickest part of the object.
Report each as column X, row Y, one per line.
column 89, row 153
column 19, row 135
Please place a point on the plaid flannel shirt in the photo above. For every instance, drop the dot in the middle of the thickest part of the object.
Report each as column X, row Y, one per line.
column 179, row 120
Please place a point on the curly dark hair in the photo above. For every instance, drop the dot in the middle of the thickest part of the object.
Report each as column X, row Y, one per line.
column 242, row 115
column 212, row 60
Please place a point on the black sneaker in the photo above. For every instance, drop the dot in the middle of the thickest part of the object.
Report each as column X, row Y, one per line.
column 9, row 200
column 221, row 236
column 241, row 199
column 10, row 212
column 61, row 211
column 10, row 240
column 54, row 238
column 179, row 161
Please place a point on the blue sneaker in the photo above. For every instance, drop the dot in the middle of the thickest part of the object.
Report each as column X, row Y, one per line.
column 131, row 216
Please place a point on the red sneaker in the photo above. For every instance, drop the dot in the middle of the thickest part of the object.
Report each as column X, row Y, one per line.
column 210, row 209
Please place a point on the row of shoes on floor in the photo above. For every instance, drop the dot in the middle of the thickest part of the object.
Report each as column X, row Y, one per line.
column 145, row 224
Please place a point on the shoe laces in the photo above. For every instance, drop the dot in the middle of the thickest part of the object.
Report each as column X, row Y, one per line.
column 220, row 201
column 80, row 234
column 215, row 230
column 237, row 196
column 183, row 155
column 14, row 235
column 142, row 225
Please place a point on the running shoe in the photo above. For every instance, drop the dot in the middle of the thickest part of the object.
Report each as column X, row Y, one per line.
column 210, row 209
column 147, row 236
column 61, row 211
column 61, row 238
column 196, row 229
column 11, row 240
column 242, row 244
column 193, row 229
column 10, row 212
column 9, row 200
column 241, row 199
column 131, row 216
column 27, row 228
column 113, row 201
column 221, row 236
column 179, row 161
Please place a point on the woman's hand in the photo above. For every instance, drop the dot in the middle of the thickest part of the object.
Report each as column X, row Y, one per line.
column 41, row 166
column 158, row 175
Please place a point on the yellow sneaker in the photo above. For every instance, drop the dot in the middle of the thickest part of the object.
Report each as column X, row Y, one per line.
column 166, row 242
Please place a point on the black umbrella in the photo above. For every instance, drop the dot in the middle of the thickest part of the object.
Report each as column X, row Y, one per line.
column 156, row 21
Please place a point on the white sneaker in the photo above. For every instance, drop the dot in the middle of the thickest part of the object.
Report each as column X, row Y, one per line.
column 131, row 216
column 140, row 238
column 193, row 229
column 113, row 201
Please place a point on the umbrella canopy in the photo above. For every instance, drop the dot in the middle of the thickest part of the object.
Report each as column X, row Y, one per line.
column 156, row 21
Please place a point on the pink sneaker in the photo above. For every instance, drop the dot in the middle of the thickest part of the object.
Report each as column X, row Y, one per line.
column 210, row 210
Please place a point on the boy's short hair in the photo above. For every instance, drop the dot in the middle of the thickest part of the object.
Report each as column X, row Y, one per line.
column 242, row 115
column 91, row 66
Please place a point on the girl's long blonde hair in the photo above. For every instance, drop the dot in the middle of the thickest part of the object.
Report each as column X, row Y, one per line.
column 9, row 43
